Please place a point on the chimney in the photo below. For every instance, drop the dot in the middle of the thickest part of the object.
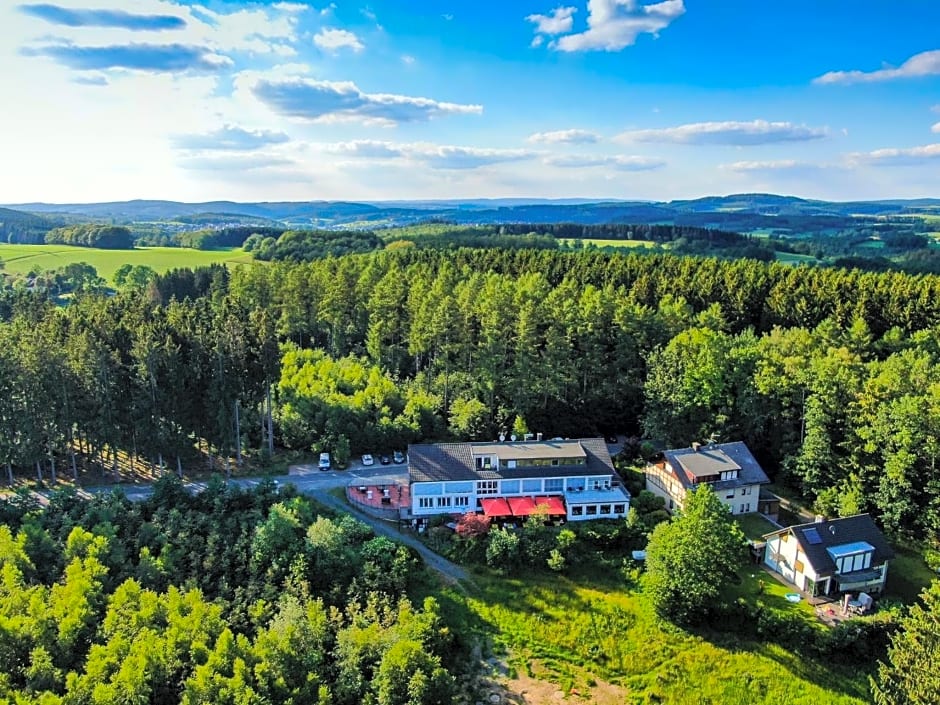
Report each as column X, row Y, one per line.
column 696, row 445
column 819, row 519
column 538, row 436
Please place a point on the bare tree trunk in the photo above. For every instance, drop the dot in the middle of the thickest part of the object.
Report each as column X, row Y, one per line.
column 270, row 424
column 39, row 471
column 74, row 468
column 10, row 473
column 52, row 468
column 114, row 465
column 238, row 435
column 160, row 466
column 179, row 467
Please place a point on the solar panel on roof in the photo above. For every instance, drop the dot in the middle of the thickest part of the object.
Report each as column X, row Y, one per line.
column 812, row 535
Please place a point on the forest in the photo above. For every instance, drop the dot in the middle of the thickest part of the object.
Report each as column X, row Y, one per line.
column 225, row 597
column 110, row 237
column 831, row 376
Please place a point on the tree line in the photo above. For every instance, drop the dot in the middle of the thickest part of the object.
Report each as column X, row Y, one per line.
column 830, row 376
column 108, row 237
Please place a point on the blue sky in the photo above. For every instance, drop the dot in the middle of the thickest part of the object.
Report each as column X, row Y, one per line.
column 119, row 99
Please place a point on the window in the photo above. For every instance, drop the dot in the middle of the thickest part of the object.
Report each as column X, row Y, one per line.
column 741, row 509
column 743, row 491
column 484, row 462
column 591, row 510
column 605, row 509
column 425, row 502
column 620, row 508
column 748, row 505
column 554, row 461
column 487, row 487
column 730, row 494
column 511, row 464
column 443, row 501
column 577, row 511
column 531, row 485
column 510, row 486
column 575, row 483
column 799, row 566
column 554, row 484
column 461, row 501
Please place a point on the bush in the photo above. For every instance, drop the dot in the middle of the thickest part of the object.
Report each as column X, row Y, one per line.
column 502, row 551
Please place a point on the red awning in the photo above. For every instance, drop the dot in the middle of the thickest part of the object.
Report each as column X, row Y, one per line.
column 555, row 505
column 496, row 507
column 521, row 506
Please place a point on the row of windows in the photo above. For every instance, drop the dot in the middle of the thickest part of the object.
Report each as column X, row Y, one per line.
column 443, row 502
column 596, row 509
column 485, row 487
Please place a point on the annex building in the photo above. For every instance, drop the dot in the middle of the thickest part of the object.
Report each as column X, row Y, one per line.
column 572, row 479
column 729, row 469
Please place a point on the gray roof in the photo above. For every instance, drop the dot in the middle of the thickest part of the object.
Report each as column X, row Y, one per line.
column 838, row 532
column 435, row 462
column 713, row 460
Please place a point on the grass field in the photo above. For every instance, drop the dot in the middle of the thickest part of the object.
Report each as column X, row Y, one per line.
column 592, row 631
column 623, row 244
column 790, row 258
column 754, row 525
column 21, row 259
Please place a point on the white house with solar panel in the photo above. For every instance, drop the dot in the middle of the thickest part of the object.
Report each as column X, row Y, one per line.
column 831, row 556
column 568, row 479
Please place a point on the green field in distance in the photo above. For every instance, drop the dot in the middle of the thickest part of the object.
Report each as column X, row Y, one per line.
column 22, row 258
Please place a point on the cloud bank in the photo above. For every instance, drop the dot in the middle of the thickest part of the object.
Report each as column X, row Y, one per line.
column 329, row 100
column 332, row 40
column 564, row 137
column 135, row 57
column 56, row 14
column 435, row 156
column 620, row 162
column 924, row 64
column 750, row 133
column 230, row 138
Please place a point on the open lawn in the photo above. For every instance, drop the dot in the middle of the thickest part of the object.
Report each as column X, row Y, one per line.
column 791, row 258
column 908, row 574
column 596, row 634
column 21, row 259
column 622, row 244
column 754, row 525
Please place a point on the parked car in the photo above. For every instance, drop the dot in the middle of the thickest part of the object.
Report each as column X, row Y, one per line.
column 368, row 460
column 398, row 457
column 324, row 463
column 385, row 460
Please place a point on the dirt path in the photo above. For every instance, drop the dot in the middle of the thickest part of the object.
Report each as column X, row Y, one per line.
column 451, row 571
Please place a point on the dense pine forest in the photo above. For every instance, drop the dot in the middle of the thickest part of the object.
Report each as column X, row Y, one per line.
column 225, row 597
column 831, row 376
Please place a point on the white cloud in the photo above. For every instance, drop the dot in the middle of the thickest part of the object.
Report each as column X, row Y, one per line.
column 331, row 101
column 230, row 138
column 727, row 133
column 558, row 22
column 612, row 24
column 234, row 163
column 408, row 60
column 935, row 128
column 924, row 64
column 619, row 161
column 436, row 156
column 769, row 165
column 332, row 40
column 909, row 156
column 564, row 137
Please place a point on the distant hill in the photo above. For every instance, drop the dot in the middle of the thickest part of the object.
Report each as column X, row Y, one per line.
column 742, row 212
column 17, row 226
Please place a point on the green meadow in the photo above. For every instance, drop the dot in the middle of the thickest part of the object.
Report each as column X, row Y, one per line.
column 20, row 259
column 599, row 641
column 623, row 244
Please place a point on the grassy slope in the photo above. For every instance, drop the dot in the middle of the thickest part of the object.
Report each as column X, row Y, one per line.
column 572, row 631
column 624, row 244
column 22, row 258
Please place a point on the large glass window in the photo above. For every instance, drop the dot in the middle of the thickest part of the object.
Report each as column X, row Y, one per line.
column 575, row 483
column 554, row 484
column 510, row 487
column 534, row 485
column 487, row 487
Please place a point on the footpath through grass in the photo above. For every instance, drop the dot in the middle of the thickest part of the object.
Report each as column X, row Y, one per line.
column 20, row 259
column 577, row 630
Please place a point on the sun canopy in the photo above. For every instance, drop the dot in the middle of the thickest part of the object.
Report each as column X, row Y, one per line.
column 521, row 506
column 496, row 507
column 555, row 505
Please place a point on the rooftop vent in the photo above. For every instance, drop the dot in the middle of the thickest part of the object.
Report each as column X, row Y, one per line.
column 696, row 445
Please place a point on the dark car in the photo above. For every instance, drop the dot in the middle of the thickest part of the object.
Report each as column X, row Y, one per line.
column 385, row 460
column 398, row 457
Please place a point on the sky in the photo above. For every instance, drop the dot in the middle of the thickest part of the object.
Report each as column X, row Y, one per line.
column 106, row 100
